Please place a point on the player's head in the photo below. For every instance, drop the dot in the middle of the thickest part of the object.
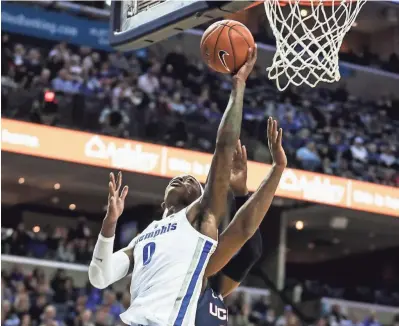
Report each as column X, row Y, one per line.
column 182, row 191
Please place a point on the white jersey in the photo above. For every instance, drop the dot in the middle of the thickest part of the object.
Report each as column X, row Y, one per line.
column 170, row 257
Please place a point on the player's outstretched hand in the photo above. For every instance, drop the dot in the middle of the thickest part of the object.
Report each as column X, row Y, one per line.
column 238, row 175
column 116, row 197
column 246, row 69
column 274, row 140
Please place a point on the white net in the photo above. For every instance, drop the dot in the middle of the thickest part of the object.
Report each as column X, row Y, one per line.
column 308, row 39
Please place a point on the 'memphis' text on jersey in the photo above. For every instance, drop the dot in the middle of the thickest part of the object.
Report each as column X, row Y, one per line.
column 154, row 234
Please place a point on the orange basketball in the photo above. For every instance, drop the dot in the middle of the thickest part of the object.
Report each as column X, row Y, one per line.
column 225, row 45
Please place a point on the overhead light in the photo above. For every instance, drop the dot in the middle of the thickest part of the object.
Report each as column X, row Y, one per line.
column 55, row 200
column 36, row 229
column 354, row 24
column 304, row 12
column 72, row 207
column 57, row 186
column 336, row 241
column 311, row 245
column 21, row 181
column 299, row 225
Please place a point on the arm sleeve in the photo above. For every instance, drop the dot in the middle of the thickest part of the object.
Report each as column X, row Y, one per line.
column 107, row 267
column 239, row 266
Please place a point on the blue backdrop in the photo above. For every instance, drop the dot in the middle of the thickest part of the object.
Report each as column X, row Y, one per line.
column 38, row 22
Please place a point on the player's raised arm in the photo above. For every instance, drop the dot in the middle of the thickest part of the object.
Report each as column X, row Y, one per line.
column 107, row 267
column 214, row 200
column 250, row 215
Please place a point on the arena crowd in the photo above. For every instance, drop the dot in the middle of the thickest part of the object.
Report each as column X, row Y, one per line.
column 175, row 100
column 32, row 299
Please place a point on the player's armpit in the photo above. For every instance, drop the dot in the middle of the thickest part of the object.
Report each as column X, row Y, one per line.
column 233, row 257
column 227, row 285
column 129, row 253
column 228, row 246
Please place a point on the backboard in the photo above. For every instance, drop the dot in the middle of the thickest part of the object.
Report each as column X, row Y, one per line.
column 137, row 24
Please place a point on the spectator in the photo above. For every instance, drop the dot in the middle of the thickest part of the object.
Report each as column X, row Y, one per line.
column 65, row 251
column 149, row 82
column 43, row 80
column 270, row 319
column 259, row 309
column 286, row 318
column 309, row 157
column 371, row 320
column 37, row 309
column 387, row 158
column 48, row 317
column 359, row 152
column 110, row 304
column 26, row 320
column 176, row 104
column 114, row 122
column 102, row 318
column 8, row 317
column 82, row 230
column 85, row 318
column 64, row 83
column 21, row 305
column 17, row 244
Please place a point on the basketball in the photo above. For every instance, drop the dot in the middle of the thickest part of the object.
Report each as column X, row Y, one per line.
column 225, row 45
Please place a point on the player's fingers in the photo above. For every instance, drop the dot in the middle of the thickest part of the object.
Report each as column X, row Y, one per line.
column 279, row 137
column 244, row 154
column 111, row 189
column 119, row 181
column 275, row 130
column 250, row 55
column 269, row 129
column 255, row 53
column 239, row 148
column 124, row 192
column 112, row 178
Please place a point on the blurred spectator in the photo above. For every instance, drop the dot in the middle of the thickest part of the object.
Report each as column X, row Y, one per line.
column 149, row 82
column 359, row 151
column 287, row 318
column 65, row 83
column 259, row 309
column 48, row 317
column 309, row 157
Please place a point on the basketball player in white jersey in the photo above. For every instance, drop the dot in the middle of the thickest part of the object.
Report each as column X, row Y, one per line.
column 169, row 257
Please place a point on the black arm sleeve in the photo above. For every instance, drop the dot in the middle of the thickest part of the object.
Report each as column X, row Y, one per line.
column 239, row 266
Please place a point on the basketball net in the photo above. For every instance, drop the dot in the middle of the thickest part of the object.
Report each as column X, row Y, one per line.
column 308, row 39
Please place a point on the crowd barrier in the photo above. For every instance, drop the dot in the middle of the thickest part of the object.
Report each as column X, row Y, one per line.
column 146, row 158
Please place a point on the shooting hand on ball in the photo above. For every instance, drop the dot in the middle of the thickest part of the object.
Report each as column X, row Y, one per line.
column 246, row 69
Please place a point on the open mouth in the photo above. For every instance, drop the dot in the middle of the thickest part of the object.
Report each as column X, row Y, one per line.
column 176, row 184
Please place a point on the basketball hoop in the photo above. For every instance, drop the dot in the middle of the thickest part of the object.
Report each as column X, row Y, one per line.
column 309, row 34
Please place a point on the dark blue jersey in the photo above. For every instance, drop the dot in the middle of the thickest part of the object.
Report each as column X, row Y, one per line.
column 211, row 310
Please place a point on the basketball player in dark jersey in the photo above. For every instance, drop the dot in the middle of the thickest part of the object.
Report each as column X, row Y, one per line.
column 226, row 269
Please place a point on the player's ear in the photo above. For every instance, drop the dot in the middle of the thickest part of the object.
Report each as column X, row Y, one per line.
column 163, row 205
